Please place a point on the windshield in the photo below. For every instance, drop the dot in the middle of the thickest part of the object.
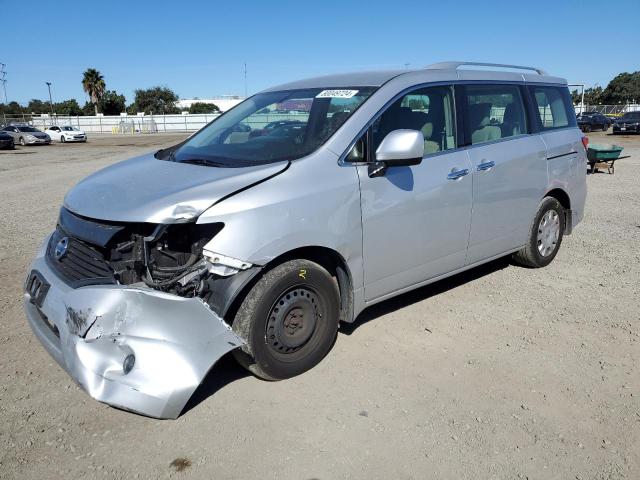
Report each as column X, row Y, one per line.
column 631, row 116
column 27, row 129
column 271, row 127
column 67, row 129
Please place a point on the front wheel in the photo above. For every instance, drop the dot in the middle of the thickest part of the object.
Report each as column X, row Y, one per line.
column 545, row 235
column 586, row 128
column 22, row 142
column 62, row 140
column 289, row 320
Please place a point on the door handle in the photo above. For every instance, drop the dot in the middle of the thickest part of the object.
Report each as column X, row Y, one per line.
column 486, row 165
column 455, row 174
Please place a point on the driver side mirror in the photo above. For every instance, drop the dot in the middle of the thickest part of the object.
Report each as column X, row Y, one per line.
column 400, row 148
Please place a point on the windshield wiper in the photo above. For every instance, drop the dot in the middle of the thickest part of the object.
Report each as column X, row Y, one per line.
column 202, row 161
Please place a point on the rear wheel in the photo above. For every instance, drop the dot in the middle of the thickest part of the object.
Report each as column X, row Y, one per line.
column 586, row 128
column 545, row 235
column 289, row 320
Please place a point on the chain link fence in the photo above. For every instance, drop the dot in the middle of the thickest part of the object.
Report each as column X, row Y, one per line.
column 614, row 110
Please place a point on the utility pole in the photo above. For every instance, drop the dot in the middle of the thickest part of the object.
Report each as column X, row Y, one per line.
column 3, row 74
column 50, row 102
column 245, row 79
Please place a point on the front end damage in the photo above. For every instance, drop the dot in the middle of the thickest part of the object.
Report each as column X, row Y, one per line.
column 134, row 312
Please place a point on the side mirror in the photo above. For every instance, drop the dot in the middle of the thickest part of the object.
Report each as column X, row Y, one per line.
column 400, row 148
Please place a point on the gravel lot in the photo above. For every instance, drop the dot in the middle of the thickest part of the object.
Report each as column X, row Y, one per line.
column 500, row 372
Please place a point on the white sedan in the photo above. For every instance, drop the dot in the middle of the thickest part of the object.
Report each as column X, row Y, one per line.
column 66, row 133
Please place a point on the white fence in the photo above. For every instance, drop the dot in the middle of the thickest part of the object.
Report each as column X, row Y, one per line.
column 128, row 124
column 153, row 123
column 133, row 124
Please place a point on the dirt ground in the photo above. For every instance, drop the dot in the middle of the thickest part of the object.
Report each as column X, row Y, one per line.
column 500, row 372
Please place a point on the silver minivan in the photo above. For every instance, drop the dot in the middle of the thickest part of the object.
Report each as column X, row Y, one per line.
column 293, row 212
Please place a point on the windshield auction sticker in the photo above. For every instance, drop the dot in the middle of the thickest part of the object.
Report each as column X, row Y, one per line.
column 336, row 93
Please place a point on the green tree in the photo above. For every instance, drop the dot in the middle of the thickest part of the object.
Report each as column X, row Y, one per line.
column 68, row 107
column 576, row 97
column 11, row 108
column 113, row 103
column 202, row 107
column 38, row 106
column 88, row 109
column 156, row 100
column 624, row 88
column 593, row 95
column 93, row 84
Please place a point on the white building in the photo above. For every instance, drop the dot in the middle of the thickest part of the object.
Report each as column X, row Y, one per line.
column 224, row 102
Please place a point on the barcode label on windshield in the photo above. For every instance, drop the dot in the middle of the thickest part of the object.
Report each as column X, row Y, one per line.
column 336, row 93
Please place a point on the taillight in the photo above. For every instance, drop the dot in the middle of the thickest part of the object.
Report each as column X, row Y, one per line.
column 585, row 142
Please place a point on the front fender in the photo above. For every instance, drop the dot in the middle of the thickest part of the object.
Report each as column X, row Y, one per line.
column 316, row 202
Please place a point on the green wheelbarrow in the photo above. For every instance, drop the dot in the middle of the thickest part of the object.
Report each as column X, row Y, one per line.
column 603, row 153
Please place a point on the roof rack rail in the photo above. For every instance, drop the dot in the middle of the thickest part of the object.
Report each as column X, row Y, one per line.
column 456, row 65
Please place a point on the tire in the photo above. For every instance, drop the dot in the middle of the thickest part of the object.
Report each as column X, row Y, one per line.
column 22, row 141
column 605, row 127
column 289, row 320
column 62, row 140
column 545, row 235
column 586, row 128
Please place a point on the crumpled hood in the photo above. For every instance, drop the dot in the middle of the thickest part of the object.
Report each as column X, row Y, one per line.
column 145, row 189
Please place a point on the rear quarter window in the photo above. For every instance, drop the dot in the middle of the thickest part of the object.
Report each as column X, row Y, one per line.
column 553, row 107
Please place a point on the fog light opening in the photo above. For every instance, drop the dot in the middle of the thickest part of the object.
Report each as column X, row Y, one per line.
column 129, row 362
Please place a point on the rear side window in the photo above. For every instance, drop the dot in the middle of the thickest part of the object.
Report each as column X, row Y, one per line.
column 493, row 112
column 553, row 107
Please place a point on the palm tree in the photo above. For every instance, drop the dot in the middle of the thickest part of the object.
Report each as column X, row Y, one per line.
column 93, row 84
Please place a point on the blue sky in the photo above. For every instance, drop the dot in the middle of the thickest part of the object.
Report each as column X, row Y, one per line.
column 198, row 48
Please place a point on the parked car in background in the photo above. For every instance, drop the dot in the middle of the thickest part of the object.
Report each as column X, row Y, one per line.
column 589, row 121
column 66, row 133
column 26, row 135
column 629, row 122
column 6, row 140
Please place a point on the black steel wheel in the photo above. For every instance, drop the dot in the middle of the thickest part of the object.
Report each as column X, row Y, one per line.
column 289, row 320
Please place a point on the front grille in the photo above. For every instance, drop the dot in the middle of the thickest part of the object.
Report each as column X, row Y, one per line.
column 80, row 264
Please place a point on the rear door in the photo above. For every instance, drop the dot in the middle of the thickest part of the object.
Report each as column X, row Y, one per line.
column 508, row 166
column 415, row 220
column 566, row 160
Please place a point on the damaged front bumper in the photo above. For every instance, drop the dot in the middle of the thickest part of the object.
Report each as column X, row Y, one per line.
column 134, row 348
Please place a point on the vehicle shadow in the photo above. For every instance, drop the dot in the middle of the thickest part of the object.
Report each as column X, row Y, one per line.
column 223, row 373
column 424, row 293
column 227, row 371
